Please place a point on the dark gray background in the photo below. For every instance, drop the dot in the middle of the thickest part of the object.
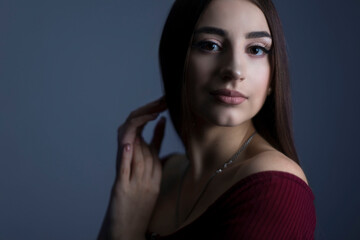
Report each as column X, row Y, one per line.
column 71, row 71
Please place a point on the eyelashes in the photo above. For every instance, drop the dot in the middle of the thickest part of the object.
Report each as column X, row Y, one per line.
column 213, row 47
column 257, row 47
column 207, row 46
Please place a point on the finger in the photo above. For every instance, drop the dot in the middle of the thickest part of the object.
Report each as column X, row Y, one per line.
column 157, row 166
column 156, row 111
column 137, row 163
column 148, row 159
column 125, row 161
column 152, row 107
column 131, row 128
column 158, row 135
column 140, row 129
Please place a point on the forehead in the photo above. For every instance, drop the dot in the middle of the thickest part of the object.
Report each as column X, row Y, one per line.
column 233, row 15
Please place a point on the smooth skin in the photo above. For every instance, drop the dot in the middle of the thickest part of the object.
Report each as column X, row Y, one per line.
column 216, row 61
column 138, row 176
column 231, row 61
column 138, row 202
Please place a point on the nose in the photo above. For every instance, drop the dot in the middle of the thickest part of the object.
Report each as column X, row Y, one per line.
column 232, row 67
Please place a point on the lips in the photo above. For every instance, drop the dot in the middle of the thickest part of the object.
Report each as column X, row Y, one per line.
column 228, row 92
column 228, row 96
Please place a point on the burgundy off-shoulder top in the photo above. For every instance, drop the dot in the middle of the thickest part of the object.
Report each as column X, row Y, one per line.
column 264, row 205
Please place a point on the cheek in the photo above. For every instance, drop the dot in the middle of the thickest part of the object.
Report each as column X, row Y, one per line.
column 259, row 73
column 199, row 70
column 199, row 75
column 263, row 81
column 260, row 83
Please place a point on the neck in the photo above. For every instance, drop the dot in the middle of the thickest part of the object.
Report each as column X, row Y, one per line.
column 211, row 146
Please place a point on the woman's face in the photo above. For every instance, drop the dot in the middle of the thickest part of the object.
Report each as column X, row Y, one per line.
column 228, row 66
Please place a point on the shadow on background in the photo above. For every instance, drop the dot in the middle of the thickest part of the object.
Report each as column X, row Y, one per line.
column 71, row 71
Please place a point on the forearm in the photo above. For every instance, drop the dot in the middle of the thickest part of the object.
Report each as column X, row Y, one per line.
column 104, row 236
column 108, row 233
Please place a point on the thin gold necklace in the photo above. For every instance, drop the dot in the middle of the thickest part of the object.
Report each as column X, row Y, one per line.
column 220, row 170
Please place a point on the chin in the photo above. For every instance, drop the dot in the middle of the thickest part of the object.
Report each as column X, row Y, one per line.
column 230, row 122
column 225, row 119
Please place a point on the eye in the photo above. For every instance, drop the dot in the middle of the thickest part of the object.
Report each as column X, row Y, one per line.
column 207, row 46
column 258, row 50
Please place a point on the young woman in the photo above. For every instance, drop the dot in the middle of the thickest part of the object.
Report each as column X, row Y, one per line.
column 226, row 80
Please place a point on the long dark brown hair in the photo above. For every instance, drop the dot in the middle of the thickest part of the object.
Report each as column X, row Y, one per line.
column 273, row 121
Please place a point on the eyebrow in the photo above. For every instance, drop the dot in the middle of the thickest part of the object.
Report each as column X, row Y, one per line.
column 223, row 33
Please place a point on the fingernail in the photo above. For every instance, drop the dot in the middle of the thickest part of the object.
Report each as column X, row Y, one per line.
column 127, row 147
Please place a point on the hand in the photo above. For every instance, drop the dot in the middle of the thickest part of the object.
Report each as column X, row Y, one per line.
column 138, row 176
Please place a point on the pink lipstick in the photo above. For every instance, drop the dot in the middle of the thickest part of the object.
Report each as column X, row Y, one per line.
column 228, row 96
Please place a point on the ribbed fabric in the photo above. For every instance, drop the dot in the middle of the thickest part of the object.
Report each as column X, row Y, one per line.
column 264, row 205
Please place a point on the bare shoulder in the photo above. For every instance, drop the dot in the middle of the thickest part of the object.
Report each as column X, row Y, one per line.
column 273, row 160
